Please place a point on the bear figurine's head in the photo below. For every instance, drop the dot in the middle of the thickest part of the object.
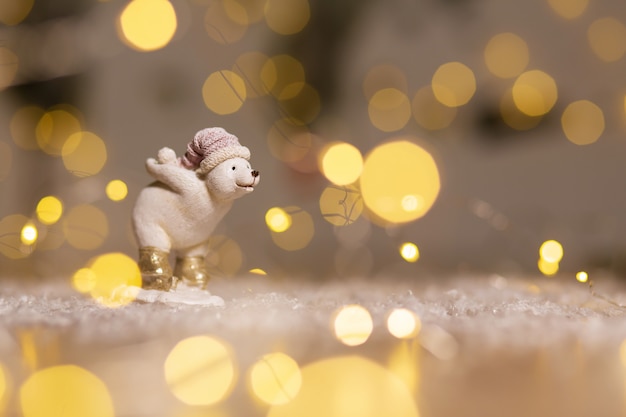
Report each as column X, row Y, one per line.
column 222, row 163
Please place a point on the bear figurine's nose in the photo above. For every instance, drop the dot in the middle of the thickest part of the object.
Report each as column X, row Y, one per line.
column 255, row 173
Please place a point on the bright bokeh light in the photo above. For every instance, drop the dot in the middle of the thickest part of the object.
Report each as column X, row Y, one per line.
column 404, row 362
column 147, row 25
column 225, row 256
column 85, row 227
column 84, row 154
column 6, row 160
column 277, row 219
column 341, row 206
column 341, row 163
column 117, row 279
column 116, row 190
column 84, row 280
column 258, row 271
column 389, row 109
column 534, row 93
column 54, row 128
column 429, row 112
column 607, row 38
column 65, row 391
column 29, row 234
column 9, row 63
column 513, row 117
column 403, row 323
column 23, row 124
column 453, row 84
column 551, row 251
column 299, row 234
column 4, row 385
column 200, row 370
column 569, row 9
column 582, row 122
column 392, row 172
column 49, row 210
column 12, row 12
column 547, row 268
column 224, row 92
column 275, row 379
column 352, row 325
column 582, row 276
column 11, row 244
column 409, row 252
column 289, row 142
column 384, row 76
column 287, row 17
column 349, row 386
column 506, row 55
column 282, row 72
column 226, row 22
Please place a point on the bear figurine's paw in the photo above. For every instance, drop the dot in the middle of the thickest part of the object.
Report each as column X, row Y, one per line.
column 166, row 156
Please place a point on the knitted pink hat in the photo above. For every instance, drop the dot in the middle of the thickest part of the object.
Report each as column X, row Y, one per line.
column 210, row 147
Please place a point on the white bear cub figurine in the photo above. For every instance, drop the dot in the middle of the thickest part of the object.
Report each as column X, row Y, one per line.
column 179, row 211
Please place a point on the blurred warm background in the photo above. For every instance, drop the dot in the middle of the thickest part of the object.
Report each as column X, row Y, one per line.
column 396, row 140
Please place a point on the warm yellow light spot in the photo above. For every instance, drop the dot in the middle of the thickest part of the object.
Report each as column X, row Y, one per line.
column 85, row 227
column 403, row 323
column 534, row 93
column 11, row 244
column 547, row 268
column 29, row 234
column 54, row 128
column 299, row 234
column 200, row 370
column 404, row 362
column 12, row 12
column 280, row 72
column 506, row 55
column 607, row 38
column 287, row 17
column 341, row 206
column 277, row 219
column 6, row 160
column 409, row 252
column 513, row 117
column 116, row 190
column 84, row 154
column 147, row 25
column 249, row 66
column 225, row 256
column 49, row 210
column 300, row 103
column 453, row 84
column 289, row 142
column 392, row 172
column 389, row 110
column 117, row 279
column 65, row 391
column 22, row 126
column 352, row 325
column 582, row 122
column 258, row 271
column 384, row 76
column 224, row 92
column 569, row 9
column 551, row 251
column 4, row 385
column 9, row 64
column 349, row 386
column 429, row 112
column 84, row 280
column 622, row 352
column 224, row 21
column 582, row 276
column 275, row 379
column 341, row 163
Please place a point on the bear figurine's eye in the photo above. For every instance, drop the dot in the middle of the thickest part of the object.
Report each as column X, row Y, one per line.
column 234, row 168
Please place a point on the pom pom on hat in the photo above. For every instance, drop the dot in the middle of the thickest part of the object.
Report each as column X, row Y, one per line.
column 210, row 147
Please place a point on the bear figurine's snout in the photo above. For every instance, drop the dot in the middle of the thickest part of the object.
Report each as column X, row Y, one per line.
column 255, row 173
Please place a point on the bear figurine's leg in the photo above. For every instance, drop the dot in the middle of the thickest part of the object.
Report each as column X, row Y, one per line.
column 192, row 270
column 156, row 273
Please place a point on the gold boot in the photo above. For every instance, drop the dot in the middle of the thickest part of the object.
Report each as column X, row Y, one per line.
column 192, row 270
column 156, row 273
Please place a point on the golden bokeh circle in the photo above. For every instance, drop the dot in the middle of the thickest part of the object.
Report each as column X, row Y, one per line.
column 341, row 163
column 506, row 55
column 85, row 227
column 534, row 93
column 147, row 25
column 224, row 92
column 607, row 38
column 224, row 22
column 453, row 84
column 116, row 279
column 275, row 378
column 287, row 17
column 389, row 110
column 582, row 122
column 341, row 206
column 352, row 325
column 300, row 232
column 84, row 154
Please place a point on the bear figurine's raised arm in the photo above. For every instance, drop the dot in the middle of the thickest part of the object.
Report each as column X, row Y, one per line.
column 179, row 211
